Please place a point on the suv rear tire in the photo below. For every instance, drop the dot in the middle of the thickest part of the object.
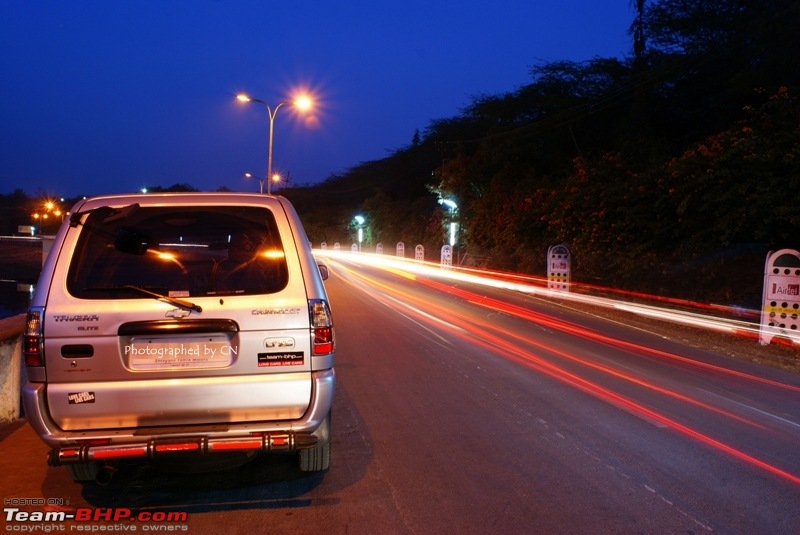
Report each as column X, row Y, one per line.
column 84, row 472
column 318, row 458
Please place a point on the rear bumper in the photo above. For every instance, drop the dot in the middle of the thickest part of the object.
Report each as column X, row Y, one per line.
column 191, row 445
column 104, row 445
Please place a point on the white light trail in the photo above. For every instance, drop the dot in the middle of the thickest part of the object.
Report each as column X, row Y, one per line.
column 536, row 286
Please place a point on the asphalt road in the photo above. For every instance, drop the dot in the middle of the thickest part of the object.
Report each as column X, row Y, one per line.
column 465, row 409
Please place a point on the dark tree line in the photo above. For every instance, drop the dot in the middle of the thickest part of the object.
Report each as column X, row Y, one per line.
column 674, row 170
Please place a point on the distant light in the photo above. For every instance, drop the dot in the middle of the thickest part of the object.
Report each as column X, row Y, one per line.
column 241, row 97
column 359, row 219
column 144, row 190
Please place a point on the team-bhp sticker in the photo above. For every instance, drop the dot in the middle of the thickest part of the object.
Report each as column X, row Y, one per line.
column 291, row 358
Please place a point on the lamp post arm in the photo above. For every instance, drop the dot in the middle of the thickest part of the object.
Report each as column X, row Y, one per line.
column 271, row 119
column 271, row 113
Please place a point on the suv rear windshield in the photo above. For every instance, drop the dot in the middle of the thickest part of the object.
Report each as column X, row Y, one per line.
column 177, row 251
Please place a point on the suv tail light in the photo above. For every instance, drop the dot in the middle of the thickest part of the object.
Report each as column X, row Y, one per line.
column 32, row 339
column 322, row 342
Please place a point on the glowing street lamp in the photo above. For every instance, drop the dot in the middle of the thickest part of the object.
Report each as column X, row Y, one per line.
column 302, row 103
column 49, row 208
column 359, row 219
column 452, row 207
column 260, row 181
column 449, row 203
column 276, row 177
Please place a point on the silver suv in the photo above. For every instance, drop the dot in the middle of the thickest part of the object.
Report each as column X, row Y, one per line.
column 179, row 325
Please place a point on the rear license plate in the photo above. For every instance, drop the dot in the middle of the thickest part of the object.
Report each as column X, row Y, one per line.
column 185, row 352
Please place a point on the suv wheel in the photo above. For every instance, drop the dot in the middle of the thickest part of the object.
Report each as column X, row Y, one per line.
column 318, row 458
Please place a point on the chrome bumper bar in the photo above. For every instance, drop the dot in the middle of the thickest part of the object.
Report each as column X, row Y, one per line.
column 264, row 442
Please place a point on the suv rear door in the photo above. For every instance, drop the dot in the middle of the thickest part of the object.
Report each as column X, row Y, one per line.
column 176, row 311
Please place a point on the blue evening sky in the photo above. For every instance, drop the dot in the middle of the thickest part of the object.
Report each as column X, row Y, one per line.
column 108, row 96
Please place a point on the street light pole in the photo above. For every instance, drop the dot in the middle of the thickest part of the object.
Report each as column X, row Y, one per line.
column 271, row 114
column 302, row 103
column 271, row 118
column 260, row 182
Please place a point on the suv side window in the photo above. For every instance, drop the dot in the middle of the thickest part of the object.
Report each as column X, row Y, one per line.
column 180, row 252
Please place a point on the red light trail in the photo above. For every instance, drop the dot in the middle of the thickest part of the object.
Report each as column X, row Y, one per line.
column 529, row 352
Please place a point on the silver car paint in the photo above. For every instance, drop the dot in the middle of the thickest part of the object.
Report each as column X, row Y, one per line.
column 103, row 395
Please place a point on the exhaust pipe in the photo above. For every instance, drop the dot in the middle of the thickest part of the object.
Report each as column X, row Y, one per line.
column 105, row 474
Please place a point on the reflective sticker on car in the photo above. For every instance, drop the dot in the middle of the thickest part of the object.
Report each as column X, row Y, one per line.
column 76, row 398
column 280, row 359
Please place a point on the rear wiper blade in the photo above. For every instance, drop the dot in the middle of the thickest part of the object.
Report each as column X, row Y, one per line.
column 171, row 300
column 114, row 214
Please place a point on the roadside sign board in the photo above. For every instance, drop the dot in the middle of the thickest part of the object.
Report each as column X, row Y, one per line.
column 447, row 256
column 780, row 310
column 558, row 268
